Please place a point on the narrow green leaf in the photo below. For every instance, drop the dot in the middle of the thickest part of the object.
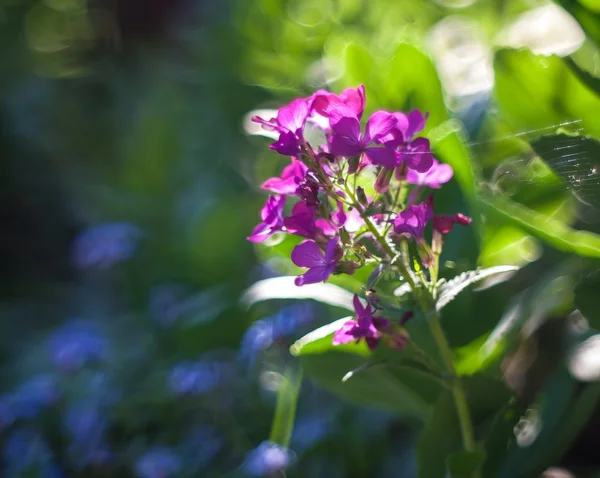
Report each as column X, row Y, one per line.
column 285, row 410
column 459, row 283
column 553, row 232
column 284, row 288
column 587, row 78
column 576, row 160
column 586, row 298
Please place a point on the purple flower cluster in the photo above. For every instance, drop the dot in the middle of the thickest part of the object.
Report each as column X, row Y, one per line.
column 346, row 221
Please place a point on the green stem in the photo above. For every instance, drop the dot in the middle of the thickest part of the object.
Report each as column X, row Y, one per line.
column 458, row 392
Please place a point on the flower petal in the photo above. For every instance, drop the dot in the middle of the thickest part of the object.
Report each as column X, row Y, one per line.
column 380, row 124
column 381, row 156
column 313, row 275
column 416, row 123
column 308, row 254
column 345, row 334
column 293, row 116
column 330, row 251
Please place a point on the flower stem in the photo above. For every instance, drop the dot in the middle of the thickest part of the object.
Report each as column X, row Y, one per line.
column 458, row 392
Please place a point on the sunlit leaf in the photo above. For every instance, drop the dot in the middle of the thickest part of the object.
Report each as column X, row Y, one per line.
column 456, row 285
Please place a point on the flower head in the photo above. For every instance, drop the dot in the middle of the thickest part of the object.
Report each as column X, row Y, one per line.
column 324, row 104
column 289, row 123
column 76, row 344
column 347, row 139
column 195, row 378
column 444, row 224
column 272, row 219
column 302, row 221
column 320, row 265
column 366, row 326
column 267, row 458
column 413, row 220
column 289, row 182
column 434, row 177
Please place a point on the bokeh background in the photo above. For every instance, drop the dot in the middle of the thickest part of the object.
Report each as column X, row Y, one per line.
column 129, row 178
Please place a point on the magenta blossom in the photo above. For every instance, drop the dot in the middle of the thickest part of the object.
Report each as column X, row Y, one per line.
column 272, row 219
column 320, row 265
column 437, row 175
column 444, row 224
column 348, row 141
column 364, row 327
column 302, row 221
column 290, row 123
column 324, row 103
column 414, row 219
column 350, row 220
column 289, row 182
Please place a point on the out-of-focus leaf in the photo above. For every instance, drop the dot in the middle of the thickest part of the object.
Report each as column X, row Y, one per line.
column 455, row 286
column 591, row 81
column 441, row 437
column 549, row 230
column 564, row 408
column 575, row 159
column 285, row 410
column 409, row 395
column 464, row 464
column 284, row 288
column 586, row 298
column 587, row 18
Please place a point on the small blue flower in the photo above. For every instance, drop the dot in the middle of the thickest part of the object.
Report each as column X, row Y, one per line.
column 105, row 245
column 76, row 344
column 201, row 445
column 158, row 462
column 309, row 431
column 267, row 458
column 25, row 449
column 258, row 337
column 196, row 377
column 289, row 319
column 27, row 400
column 86, row 426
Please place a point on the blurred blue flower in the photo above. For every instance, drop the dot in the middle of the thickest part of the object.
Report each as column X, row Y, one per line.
column 267, row 458
column 105, row 245
column 164, row 305
column 201, row 445
column 262, row 333
column 158, row 462
column 309, row 431
column 86, row 426
column 27, row 400
column 25, row 449
column 76, row 344
column 197, row 377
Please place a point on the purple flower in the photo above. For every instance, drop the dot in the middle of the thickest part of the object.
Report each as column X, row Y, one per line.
column 24, row 450
column 289, row 182
column 272, row 219
column 433, row 178
column 267, row 459
column 444, row 224
column 258, row 337
column 364, row 327
column 325, row 103
column 289, row 123
column 320, row 265
column 414, row 219
column 29, row 399
column 76, row 344
column 105, row 245
column 348, row 141
column 302, row 221
column 158, row 462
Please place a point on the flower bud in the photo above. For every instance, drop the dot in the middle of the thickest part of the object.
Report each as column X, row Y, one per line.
column 362, row 197
column 346, row 267
column 425, row 253
column 353, row 163
column 344, row 236
column 383, row 180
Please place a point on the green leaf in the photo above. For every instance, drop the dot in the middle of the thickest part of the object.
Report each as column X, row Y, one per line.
column 284, row 288
column 409, row 395
column 285, row 410
column 586, row 298
column 552, row 232
column 455, row 286
column 464, row 464
column 587, row 78
column 587, row 18
column 576, row 160
column 441, row 437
